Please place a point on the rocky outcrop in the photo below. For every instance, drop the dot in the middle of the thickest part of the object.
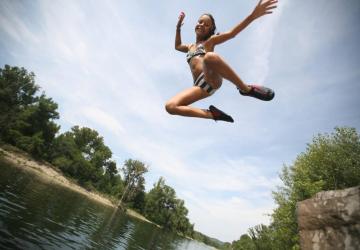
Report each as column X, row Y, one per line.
column 330, row 220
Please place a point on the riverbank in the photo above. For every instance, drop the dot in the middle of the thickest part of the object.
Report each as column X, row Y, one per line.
column 52, row 174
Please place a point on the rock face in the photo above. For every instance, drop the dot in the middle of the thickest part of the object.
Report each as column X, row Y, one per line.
column 330, row 220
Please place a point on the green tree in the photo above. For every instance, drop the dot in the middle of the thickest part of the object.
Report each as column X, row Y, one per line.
column 244, row 243
column 262, row 237
column 111, row 169
column 69, row 158
column 92, row 147
column 164, row 208
column 82, row 154
column 134, row 181
column 259, row 237
column 329, row 162
column 17, row 90
column 111, row 182
column 26, row 120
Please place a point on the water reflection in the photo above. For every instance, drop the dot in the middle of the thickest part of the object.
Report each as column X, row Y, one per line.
column 39, row 215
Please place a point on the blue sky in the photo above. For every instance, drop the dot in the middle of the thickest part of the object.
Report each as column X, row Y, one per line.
column 111, row 66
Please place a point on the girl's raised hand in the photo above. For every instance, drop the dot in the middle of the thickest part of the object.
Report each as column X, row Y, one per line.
column 181, row 19
column 263, row 8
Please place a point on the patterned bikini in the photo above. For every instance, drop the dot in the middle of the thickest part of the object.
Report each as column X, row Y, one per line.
column 200, row 80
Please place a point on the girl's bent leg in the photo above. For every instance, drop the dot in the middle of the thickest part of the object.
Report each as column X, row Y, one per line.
column 214, row 63
column 215, row 66
column 178, row 105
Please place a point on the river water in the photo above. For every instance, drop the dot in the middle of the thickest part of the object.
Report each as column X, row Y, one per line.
column 35, row 214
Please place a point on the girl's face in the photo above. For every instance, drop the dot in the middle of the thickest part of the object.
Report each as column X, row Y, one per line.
column 204, row 26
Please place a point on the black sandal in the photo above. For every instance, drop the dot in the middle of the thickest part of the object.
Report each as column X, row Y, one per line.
column 219, row 115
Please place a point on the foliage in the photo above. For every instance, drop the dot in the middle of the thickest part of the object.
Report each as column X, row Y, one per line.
column 17, row 90
column 259, row 237
column 111, row 182
column 81, row 153
column 26, row 120
column 244, row 243
column 330, row 162
column 164, row 208
column 134, row 181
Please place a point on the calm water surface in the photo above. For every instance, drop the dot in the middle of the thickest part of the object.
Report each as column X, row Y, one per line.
column 40, row 215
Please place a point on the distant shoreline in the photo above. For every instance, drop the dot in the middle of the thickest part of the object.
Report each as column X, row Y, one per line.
column 51, row 174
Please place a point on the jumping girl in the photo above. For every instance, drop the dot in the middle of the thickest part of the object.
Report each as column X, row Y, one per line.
column 208, row 68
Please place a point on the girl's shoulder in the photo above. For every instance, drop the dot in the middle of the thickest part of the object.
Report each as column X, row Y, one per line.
column 209, row 45
column 191, row 46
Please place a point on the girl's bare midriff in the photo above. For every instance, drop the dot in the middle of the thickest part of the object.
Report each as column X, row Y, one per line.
column 196, row 66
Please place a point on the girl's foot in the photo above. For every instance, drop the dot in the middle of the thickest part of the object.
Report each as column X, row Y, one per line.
column 260, row 92
column 219, row 115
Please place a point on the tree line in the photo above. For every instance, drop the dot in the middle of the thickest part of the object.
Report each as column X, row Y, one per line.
column 27, row 121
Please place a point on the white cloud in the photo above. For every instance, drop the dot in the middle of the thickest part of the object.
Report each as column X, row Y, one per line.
column 260, row 44
column 104, row 120
column 15, row 26
column 228, row 175
column 226, row 218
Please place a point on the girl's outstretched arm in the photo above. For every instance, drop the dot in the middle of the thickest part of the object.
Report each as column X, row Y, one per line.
column 178, row 45
column 261, row 9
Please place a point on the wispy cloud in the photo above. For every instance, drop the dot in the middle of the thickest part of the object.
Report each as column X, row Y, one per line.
column 260, row 40
column 15, row 26
column 104, row 120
